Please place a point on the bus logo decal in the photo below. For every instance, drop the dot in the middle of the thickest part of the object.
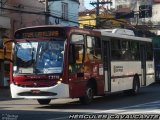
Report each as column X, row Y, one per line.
column 118, row 69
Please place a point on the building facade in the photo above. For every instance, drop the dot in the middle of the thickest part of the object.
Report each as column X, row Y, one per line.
column 64, row 12
column 134, row 5
column 32, row 12
column 82, row 6
column 155, row 12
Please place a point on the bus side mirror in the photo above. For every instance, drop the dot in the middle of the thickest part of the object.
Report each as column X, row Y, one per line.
column 72, row 59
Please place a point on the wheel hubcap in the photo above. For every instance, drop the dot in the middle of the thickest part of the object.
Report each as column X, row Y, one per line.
column 89, row 93
column 136, row 88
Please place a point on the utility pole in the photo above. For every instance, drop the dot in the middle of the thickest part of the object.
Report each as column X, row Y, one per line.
column 46, row 12
column 97, row 10
column 45, row 2
column 97, row 14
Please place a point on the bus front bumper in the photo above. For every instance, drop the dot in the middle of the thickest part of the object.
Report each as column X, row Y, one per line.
column 58, row 91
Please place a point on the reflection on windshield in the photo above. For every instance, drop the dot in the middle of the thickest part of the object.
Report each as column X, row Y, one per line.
column 39, row 57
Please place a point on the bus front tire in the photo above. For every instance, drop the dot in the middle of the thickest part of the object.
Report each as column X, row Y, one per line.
column 44, row 101
column 87, row 99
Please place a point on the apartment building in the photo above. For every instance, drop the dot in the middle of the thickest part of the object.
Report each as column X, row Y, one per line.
column 24, row 13
column 133, row 5
column 66, row 12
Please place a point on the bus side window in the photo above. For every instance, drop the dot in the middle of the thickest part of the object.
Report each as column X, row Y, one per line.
column 135, row 54
column 79, row 54
column 125, row 50
column 149, row 50
column 90, row 50
column 98, row 48
column 76, row 52
column 115, row 49
column 93, row 48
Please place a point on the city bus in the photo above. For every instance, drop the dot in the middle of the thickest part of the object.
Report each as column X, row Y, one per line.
column 51, row 62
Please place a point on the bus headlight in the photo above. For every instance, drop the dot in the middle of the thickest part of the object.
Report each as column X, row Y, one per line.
column 60, row 81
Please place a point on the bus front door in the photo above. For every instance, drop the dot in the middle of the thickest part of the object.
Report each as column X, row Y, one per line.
column 107, row 65
column 143, row 64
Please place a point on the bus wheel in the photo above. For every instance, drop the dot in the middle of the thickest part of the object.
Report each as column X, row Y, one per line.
column 87, row 99
column 44, row 101
column 136, row 87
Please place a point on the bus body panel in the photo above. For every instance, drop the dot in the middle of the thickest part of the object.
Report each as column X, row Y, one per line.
column 150, row 75
column 78, row 82
column 122, row 74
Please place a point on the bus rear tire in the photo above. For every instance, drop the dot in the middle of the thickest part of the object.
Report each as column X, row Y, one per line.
column 44, row 101
column 88, row 98
column 135, row 88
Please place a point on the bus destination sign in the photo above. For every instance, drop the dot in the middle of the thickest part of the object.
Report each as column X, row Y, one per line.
column 40, row 34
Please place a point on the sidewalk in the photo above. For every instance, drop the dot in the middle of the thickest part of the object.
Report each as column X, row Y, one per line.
column 5, row 93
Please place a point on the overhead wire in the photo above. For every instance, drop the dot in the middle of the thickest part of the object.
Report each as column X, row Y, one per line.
column 39, row 11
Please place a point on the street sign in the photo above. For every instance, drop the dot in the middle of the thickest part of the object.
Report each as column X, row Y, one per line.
column 124, row 15
column 145, row 11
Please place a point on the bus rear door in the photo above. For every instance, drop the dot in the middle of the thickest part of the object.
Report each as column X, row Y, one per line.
column 143, row 64
column 107, row 64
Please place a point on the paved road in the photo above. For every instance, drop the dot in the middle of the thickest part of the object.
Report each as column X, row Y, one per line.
column 147, row 102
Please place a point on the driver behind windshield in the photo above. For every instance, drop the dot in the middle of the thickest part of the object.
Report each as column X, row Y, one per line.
column 51, row 56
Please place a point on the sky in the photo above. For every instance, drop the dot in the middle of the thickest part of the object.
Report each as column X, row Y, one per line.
column 87, row 4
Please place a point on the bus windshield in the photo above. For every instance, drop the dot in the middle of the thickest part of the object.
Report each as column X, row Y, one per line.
column 39, row 57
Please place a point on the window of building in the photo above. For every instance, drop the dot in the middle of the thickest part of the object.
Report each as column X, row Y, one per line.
column 64, row 10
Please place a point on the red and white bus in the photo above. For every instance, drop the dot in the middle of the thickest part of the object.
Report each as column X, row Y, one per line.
column 67, row 62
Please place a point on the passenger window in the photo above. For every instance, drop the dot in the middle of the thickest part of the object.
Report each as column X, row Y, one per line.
column 93, row 48
column 135, row 54
column 149, row 50
column 125, row 50
column 76, row 53
column 115, row 49
column 79, row 54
